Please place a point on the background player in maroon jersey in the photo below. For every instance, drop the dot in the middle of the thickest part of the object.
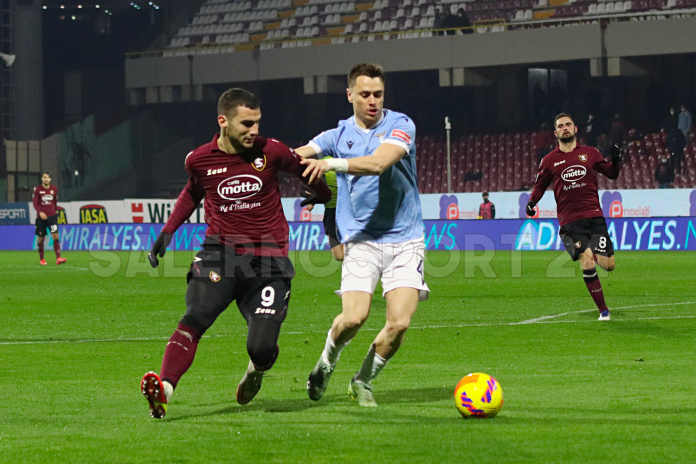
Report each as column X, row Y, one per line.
column 487, row 208
column 45, row 202
column 573, row 170
column 245, row 253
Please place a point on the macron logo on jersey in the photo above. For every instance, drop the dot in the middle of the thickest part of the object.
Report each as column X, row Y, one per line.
column 399, row 134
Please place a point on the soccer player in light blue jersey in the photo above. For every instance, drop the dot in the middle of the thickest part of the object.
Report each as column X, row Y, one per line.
column 378, row 214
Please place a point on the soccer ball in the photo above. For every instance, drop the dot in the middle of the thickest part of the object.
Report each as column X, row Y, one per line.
column 478, row 395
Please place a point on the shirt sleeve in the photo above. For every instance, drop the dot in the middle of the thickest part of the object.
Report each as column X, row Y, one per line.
column 290, row 163
column 402, row 133
column 35, row 200
column 325, row 143
column 611, row 170
column 188, row 201
column 543, row 180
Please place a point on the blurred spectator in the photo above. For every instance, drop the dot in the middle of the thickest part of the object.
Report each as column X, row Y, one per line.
column 449, row 22
column 439, row 21
column 671, row 120
column 676, row 142
column 616, row 133
column 603, row 145
column 685, row 122
column 462, row 21
column 487, row 209
column 664, row 174
column 591, row 131
column 544, row 141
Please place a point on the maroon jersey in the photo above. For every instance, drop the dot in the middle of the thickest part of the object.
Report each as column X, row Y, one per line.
column 45, row 199
column 487, row 210
column 574, row 177
column 242, row 199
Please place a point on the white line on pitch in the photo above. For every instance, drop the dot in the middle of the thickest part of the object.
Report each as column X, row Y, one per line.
column 111, row 340
column 47, row 270
column 543, row 318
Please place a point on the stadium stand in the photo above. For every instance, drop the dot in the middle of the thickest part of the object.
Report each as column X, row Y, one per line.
column 237, row 25
column 508, row 162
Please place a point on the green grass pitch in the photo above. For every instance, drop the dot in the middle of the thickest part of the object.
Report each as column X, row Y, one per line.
column 77, row 338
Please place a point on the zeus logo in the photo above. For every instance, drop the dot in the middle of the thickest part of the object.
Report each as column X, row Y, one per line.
column 573, row 173
column 556, row 164
column 239, row 187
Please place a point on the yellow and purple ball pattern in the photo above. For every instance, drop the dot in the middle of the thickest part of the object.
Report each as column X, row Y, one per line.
column 478, row 395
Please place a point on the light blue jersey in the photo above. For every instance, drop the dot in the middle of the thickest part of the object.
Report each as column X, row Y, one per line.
column 386, row 207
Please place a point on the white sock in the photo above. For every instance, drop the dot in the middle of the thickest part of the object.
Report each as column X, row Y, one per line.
column 371, row 366
column 332, row 351
column 168, row 390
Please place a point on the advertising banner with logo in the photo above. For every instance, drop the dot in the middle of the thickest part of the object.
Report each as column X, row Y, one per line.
column 456, row 206
column 615, row 204
column 516, row 234
column 14, row 213
column 150, row 211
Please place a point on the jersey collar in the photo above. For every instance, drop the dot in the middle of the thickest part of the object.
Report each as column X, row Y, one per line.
column 373, row 127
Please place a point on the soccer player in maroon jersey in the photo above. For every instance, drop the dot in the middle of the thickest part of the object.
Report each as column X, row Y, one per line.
column 245, row 253
column 45, row 202
column 573, row 170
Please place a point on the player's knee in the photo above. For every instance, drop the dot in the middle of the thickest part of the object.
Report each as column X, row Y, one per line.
column 609, row 267
column 397, row 328
column 262, row 342
column 193, row 318
column 353, row 321
column 262, row 354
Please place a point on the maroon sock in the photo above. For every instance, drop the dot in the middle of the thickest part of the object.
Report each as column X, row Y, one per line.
column 179, row 354
column 40, row 245
column 595, row 287
column 56, row 248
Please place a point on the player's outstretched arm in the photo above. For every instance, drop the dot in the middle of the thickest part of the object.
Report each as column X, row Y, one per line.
column 384, row 157
column 189, row 199
column 306, row 151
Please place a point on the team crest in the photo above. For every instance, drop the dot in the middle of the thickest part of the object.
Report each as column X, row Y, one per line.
column 215, row 277
column 577, row 245
column 259, row 163
column 583, row 158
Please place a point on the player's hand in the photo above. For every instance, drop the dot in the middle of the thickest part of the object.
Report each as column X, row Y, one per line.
column 310, row 197
column 530, row 209
column 615, row 153
column 159, row 248
column 43, row 216
column 315, row 169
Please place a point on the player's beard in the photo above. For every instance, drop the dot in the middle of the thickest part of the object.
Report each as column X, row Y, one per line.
column 568, row 139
